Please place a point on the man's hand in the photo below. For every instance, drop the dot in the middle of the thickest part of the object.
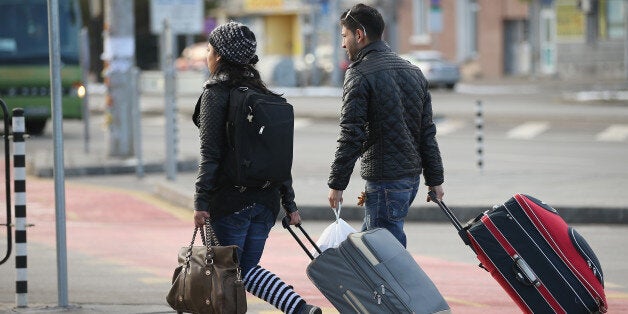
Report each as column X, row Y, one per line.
column 438, row 189
column 335, row 198
column 295, row 217
column 199, row 218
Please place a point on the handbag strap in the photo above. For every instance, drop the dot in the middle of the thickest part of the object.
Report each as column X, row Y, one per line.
column 211, row 235
column 209, row 239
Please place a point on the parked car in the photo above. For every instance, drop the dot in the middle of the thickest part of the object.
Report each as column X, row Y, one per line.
column 193, row 58
column 438, row 71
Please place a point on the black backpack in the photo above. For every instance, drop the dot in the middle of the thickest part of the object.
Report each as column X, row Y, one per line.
column 260, row 135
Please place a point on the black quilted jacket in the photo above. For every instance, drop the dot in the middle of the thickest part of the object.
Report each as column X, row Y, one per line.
column 214, row 193
column 386, row 119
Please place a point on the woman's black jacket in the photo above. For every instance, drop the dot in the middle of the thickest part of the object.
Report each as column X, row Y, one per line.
column 214, row 192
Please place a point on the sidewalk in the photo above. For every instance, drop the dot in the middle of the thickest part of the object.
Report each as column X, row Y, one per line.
column 122, row 246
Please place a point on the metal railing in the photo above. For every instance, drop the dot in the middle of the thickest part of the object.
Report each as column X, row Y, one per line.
column 7, row 173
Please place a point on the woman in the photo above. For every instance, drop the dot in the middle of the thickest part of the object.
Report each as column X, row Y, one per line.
column 242, row 218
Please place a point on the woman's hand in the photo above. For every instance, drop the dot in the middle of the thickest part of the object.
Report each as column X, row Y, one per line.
column 199, row 218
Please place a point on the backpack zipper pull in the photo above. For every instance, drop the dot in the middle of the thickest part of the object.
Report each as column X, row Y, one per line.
column 250, row 115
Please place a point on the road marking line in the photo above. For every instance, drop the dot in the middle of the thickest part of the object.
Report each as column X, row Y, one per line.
column 617, row 295
column 448, row 126
column 612, row 285
column 528, row 130
column 464, row 302
column 613, row 133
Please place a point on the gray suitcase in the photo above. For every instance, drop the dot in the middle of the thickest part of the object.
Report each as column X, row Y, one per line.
column 371, row 272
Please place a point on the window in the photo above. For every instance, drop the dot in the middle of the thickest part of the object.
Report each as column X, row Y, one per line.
column 420, row 31
column 615, row 18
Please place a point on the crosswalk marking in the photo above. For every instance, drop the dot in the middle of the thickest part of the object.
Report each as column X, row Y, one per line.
column 448, row 126
column 613, row 133
column 528, row 130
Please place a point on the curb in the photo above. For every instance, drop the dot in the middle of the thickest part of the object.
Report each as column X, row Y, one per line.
column 129, row 168
column 573, row 215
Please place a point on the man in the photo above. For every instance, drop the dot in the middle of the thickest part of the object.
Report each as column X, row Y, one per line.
column 386, row 119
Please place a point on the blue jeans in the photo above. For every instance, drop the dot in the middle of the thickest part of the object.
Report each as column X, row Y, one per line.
column 248, row 229
column 387, row 204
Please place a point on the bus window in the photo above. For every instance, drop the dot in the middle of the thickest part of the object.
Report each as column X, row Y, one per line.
column 24, row 59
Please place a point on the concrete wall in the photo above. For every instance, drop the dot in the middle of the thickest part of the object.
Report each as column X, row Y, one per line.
column 604, row 61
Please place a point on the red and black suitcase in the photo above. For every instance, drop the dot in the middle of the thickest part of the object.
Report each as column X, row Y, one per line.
column 544, row 265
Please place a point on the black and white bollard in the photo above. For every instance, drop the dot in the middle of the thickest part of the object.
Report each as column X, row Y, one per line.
column 19, row 184
column 479, row 135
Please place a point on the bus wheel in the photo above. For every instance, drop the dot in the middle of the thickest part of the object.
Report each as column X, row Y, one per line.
column 35, row 127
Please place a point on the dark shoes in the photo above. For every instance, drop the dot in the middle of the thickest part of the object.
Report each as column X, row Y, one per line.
column 310, row 309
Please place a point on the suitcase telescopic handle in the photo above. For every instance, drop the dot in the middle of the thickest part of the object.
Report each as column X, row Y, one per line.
column 285, row 222
column 445, row 209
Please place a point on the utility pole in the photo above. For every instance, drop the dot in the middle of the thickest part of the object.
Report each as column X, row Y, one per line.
column 590, row 8
column 389, row 13
column 534, row 9
column 54, row 52
column 119, row 61
column 334, row 29
column 626, row 41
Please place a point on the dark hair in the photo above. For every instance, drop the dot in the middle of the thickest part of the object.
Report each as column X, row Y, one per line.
column 363, row 16
column 238, row 75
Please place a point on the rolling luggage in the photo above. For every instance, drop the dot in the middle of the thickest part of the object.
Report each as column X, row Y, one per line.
column 371, row 272
column 544, row 265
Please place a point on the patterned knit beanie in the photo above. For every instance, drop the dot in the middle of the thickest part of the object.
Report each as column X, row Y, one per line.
column 235, row 42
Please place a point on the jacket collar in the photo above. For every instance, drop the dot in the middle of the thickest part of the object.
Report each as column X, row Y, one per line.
column 215, row 80
column 379, row 45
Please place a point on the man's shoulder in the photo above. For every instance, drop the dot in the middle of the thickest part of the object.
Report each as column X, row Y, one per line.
column 382, row 61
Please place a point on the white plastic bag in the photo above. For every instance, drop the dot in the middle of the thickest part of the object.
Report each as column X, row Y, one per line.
column 334, row 233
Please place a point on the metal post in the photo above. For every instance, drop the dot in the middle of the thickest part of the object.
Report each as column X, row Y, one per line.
column 170, row 113
column 119, row 57
column 336, row 75
column 625, row 40
column 534, row 21
column 19, row 184
column 314, row 27
column 85, row 100
column 592, row 27
column 479, row 136
column 57, row 134
column 7, row 178
column 137, row 125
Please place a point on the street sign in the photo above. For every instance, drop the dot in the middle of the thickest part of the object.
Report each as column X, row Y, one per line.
column 185, row 16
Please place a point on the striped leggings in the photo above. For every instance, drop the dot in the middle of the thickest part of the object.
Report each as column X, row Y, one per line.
column 270, row 288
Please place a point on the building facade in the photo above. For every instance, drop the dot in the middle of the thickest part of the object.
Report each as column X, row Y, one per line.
column 497, row 38
column 487, row 37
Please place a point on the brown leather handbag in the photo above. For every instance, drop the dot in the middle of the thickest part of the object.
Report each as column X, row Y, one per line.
column 208, row 278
